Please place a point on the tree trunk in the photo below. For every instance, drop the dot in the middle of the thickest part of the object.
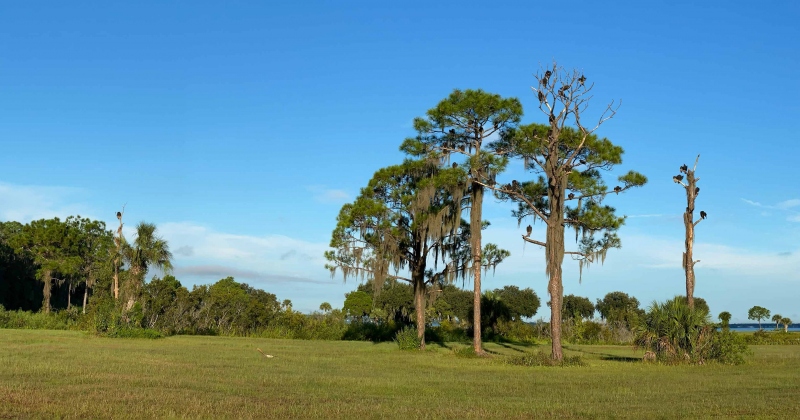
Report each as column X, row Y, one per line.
column 47, row 280
column 475, row 244
column 85, row 298
column 688, row 222
column 69, row 297
column 419, row 307
column 554, row 251
column 786, row 328
column 116, row 278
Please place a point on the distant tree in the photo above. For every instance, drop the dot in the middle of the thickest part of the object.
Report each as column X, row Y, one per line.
column 619, row 307
column 567, row 158
column 777, row 320
column 786, row 324
column 357, row 304
column 147, row 250
column 53, row 246
column 725, row 317
column 521, row 303
column 325, row 307
column 462, row 125
column 692, row 190
column 577, row 307
column 95, row 245
column 453, row 303
column 286, row 305
column 757, row 313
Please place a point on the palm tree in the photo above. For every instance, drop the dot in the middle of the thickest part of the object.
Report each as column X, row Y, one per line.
column 786, row 323
column 725, row 317
column 777, row 320
column 147, row 250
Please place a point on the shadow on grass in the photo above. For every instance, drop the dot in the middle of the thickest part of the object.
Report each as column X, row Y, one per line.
column 606, row 356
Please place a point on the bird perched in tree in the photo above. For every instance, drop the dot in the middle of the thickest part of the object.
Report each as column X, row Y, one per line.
column 515, row 184
column 119, row 215
column 582, row 79
column 571, row 196
column 703, row 214
column 677, row 178
column 529, row 229
column 696, row 190
column 541, row 96
column 582, row 161
column 684, row 168
column 455, row 165
column 617, row 189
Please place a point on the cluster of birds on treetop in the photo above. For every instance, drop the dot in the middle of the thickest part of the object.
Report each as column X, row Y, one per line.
column 678, row 178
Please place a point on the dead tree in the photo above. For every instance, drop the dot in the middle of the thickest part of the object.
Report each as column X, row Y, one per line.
column 568, row 192
column 118, row 241
column 692, row 190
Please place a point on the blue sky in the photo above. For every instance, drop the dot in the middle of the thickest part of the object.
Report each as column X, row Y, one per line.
column 241, row 128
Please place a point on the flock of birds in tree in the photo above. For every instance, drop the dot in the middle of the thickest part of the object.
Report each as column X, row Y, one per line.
column 678, row 178
column 564, row 88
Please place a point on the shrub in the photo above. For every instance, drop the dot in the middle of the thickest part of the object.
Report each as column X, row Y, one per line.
column 32, row 320
column 407, row 339
column 541, row 358
column 127, row 332
column 677, row 334
column 465, row 352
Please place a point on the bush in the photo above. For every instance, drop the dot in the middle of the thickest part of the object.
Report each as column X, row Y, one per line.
column 677, row 334
column 465, row 352
column 517, row 331
column 126, row 332
column 541, row 358
column 407, row 339
column 33, row 320
column 771, row 338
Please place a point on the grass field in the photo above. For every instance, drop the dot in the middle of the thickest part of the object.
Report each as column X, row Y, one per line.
column 71, row 374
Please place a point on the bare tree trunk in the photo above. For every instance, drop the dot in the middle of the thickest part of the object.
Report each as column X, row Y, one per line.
column 47, row 280
column 69, row 296
column 419, row 306
column 475, row 244
column 85, row 298
column 116, row 277
column 554, row 251
column 688, row 221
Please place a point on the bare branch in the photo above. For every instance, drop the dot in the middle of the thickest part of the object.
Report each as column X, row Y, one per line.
column 533, row 241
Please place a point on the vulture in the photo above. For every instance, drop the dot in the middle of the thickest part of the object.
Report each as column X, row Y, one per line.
column 696, row 190
column 677, row 178
column 570, row 196
column 617, row 189
column 529, row 229
column 452, row 132
column 455, row 165
column 582, row 79
column 703, row 214
column 119, row 215
column 514, row 184
column 684, row 168
column 582, row 161
column 541, row 96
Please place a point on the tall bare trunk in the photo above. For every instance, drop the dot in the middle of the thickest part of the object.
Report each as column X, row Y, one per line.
column 116, row 278
column 85, row 298
column 554, row 251
column 69, row 296
column 688, row 222
column 419, row 307
column 47, row 280
column 475, row 244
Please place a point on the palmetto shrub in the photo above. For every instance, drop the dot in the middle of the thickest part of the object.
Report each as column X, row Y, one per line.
column 677, row 334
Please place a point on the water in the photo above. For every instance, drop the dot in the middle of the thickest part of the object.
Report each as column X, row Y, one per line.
column 767, row 326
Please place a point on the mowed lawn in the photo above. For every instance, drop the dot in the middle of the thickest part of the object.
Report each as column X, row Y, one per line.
column 72, row 374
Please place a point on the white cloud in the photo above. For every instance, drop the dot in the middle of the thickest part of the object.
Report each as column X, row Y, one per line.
column 23, row 203
column 788, row 204
column 261, row 257
column 329, row 195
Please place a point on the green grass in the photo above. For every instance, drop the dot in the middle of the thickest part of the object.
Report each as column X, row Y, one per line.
column 72, row 374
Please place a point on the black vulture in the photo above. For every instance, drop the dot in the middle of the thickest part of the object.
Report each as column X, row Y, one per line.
column 119, row 215
column 455, row 165
column 703, row 214
column 617, row 189
column 541, row 96
column 529, row 229
column 570, row 196
column 677, row 178
column 696, row 190
column 684, row 168
column 582, row 79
